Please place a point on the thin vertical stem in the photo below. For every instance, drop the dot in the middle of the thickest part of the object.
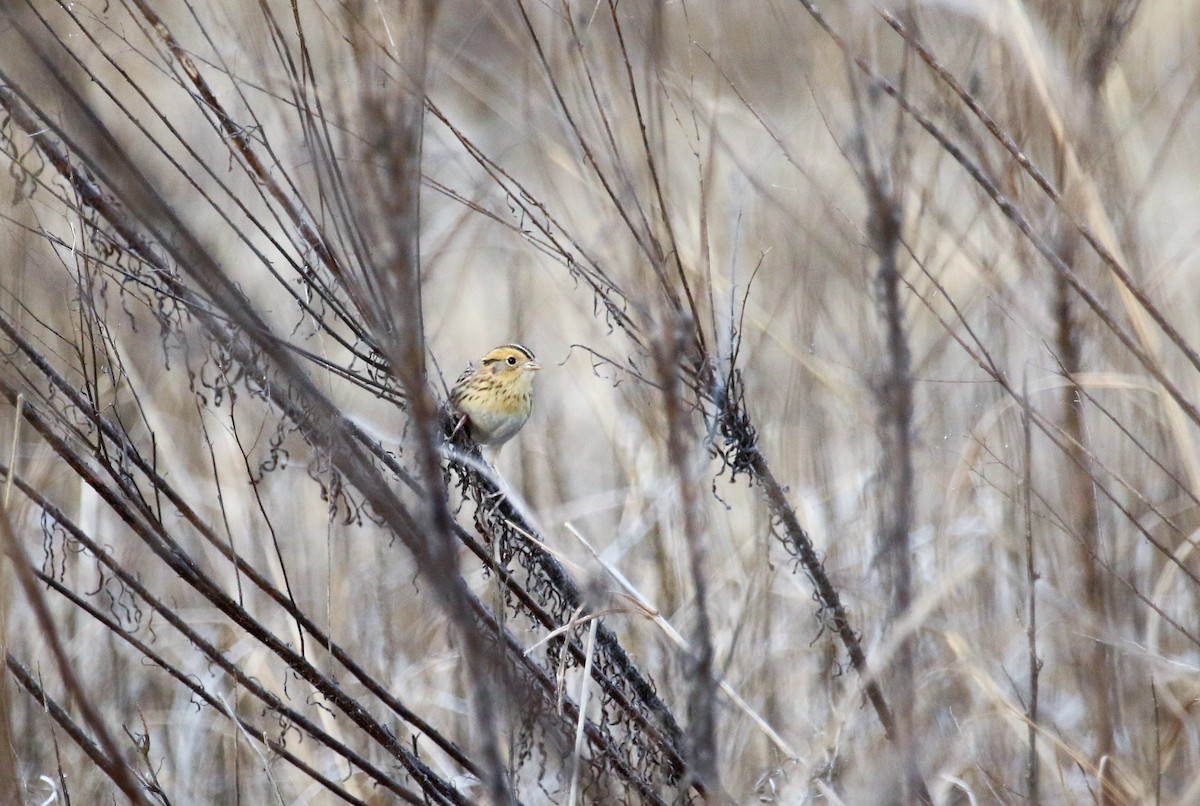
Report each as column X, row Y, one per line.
column 702, row 697
column 1031, row 578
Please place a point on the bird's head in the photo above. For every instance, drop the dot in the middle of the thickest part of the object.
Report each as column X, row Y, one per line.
column 511, row 361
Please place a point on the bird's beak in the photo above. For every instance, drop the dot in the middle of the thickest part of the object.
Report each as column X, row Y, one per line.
column 532, row 365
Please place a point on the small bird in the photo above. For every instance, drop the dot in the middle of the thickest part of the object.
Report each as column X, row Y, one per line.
column 495, row 398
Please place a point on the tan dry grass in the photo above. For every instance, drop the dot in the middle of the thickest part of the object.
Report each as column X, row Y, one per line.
column 755, row 121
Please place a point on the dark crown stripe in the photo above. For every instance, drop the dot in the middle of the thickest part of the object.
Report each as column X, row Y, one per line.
column 520, row 348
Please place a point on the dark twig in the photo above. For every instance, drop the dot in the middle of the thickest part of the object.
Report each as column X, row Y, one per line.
column 105, row 753
column 1031, row 578
column 701, row 673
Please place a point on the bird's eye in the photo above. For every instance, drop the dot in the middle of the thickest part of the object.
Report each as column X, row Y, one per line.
column 512, row 360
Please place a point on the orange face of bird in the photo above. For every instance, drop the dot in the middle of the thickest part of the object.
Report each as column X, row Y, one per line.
column 510, row 358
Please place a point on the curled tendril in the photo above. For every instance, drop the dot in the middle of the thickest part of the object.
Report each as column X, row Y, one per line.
column 738, row 447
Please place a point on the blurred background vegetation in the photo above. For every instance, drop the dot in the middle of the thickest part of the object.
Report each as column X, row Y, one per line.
column 863, row 466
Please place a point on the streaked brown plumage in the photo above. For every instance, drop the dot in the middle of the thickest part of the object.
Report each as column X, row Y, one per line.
column 495, row 396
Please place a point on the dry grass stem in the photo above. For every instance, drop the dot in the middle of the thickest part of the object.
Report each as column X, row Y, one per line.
column 869, row 369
